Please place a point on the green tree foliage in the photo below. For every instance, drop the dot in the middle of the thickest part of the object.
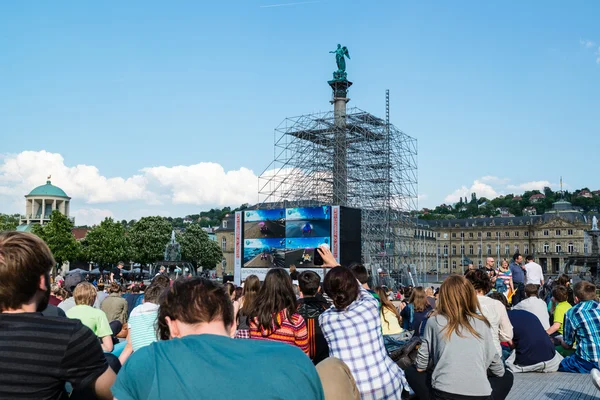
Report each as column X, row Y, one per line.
column 9, row 222
column 106, row 243
column 148, row 238
column 198, row 248
column 59, row 238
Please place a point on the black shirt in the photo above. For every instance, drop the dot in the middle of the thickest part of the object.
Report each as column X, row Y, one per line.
column 533, row 344
column 311, row 308
column 39, row 354
column 117, row 274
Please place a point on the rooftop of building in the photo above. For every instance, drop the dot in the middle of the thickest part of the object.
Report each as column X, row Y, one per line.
column 48, row 190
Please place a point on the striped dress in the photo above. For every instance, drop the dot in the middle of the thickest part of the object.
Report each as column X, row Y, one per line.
column 291, row 330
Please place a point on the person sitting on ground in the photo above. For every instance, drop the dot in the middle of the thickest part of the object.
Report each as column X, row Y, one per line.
column 133, row 298
column 390, row 317
column 114, row 306
column 361, row 274
column 352, row 328
column 35, row 368
column 273, row 316
column 101, row 295
column 565, row 280
column 582, row 325
column 533, row 350
column 251, row 289
column 230, row 289
column 54, row 295
column 195, row 324
column 310, row 307
column 416, row 310
column 534, row 305
column 142, row 321
column 72, row 280
column 458, row 341
column 85, row 295
column 560, row 306
column 239, row 292
column 491, row 309
column 430, row 297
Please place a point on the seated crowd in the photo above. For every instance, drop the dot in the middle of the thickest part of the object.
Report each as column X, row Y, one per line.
column 320, row 339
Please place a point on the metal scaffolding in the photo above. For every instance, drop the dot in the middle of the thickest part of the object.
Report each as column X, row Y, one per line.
column 355, row 159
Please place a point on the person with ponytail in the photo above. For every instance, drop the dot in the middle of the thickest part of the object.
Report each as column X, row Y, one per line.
column 251, row 288
column 457, row 350
column 352, row 328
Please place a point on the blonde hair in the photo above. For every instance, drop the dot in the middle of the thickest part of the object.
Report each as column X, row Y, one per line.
column 457, row 301
column 85, row 294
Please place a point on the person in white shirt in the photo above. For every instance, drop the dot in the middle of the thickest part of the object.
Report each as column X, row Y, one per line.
column 534, row 305
column 493, row 310
column 535, row 275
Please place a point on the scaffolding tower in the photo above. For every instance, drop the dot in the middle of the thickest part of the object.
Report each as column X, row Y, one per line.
column 355, row 159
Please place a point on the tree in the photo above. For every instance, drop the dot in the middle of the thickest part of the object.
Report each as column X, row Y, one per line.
column 148, row 238
column 197, row 247
column 59, row 238
column 106, row 243
column 8, row 222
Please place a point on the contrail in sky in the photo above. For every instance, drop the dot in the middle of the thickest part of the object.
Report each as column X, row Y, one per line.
column 289, row 4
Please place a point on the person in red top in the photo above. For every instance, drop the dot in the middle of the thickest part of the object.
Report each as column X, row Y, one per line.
column 273, row 315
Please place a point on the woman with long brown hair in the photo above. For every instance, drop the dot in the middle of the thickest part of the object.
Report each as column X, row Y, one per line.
column 457, row 349
column 390, row 317
column 251, row 288
column 416, row 311
column 273, row 315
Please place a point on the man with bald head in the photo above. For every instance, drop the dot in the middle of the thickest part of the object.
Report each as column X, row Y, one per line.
column 490, row 269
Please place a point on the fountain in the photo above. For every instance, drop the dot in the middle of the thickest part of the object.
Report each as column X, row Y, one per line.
column 590, row 261
column 172, row 262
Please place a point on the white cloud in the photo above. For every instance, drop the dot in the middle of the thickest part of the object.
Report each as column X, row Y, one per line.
column 480, row 188
column 90, row 216
column 494, row 180
column 588, row 44
column 533, row 185
column 203, row 184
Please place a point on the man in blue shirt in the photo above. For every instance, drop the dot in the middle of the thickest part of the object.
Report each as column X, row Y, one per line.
column 518, row 277
column 582, row 325
column 198, row 359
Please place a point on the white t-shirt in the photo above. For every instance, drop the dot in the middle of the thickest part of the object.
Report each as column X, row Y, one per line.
column 537, row 307
column 495, row 312
column 534, row 273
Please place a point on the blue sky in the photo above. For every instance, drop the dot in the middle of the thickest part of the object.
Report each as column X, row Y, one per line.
column 111, row 96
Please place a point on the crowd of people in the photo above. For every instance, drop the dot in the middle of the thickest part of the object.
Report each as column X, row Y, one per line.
column 292, row 336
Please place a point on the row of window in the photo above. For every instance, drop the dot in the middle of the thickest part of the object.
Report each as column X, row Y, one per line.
column 545, row 232
column 571, row 248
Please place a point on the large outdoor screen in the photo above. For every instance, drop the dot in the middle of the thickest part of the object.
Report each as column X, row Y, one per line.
column 288, row 236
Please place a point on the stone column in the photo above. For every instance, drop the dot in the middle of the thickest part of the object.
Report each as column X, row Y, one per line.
column 43, row 213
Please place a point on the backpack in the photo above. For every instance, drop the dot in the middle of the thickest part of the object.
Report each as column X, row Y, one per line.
column 311, row 312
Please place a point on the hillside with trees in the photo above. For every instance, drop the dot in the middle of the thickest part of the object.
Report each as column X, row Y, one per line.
column 512, row 204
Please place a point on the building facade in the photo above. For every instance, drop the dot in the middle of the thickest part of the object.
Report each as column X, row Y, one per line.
column 550, row 238
column 224, row 235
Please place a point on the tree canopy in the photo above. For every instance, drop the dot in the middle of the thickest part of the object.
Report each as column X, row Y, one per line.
column 107, row 244
column 9, row 222
column 197, row 247
column 148, row 238
column 59, row 238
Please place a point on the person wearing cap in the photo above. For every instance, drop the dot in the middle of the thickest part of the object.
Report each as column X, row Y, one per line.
column 72, row 280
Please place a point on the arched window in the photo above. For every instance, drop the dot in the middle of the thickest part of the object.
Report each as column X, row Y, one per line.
column 489, row 249
column 224, row 244
column 558, row 247
column 507, row 249
column 546, row 248
column 453, row 250
column 570, row 247
column 446, row 264
column 462, row 249
column 453, row 264
column 445, row 249
column 471, row 249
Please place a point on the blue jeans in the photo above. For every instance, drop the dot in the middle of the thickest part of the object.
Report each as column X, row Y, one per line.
column 577, row 365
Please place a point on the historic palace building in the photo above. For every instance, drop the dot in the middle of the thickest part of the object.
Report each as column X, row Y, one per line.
column 551, row 238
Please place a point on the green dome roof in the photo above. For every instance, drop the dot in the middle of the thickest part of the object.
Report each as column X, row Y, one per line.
column 48, row 190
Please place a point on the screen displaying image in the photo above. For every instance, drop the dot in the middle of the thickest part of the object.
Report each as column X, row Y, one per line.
column 264, row 252
column 264, row 215
column 307, row 228
column 300, row 251
column 308, row 213
column 265, row 229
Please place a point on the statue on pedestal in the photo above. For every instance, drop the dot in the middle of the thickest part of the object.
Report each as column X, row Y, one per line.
column 340, row 54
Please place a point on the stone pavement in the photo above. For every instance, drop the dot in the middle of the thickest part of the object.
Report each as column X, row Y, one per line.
column 555, row 386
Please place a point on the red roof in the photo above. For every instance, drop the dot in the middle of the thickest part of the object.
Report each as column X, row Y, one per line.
column 80, row 233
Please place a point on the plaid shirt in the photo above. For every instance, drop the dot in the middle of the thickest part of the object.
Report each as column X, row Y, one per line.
column 582, row 324
column 354, row 336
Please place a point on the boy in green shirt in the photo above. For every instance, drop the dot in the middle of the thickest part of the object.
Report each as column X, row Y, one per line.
column 85, row 295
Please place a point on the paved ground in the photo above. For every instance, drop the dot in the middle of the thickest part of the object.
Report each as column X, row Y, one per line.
column 556, row 386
